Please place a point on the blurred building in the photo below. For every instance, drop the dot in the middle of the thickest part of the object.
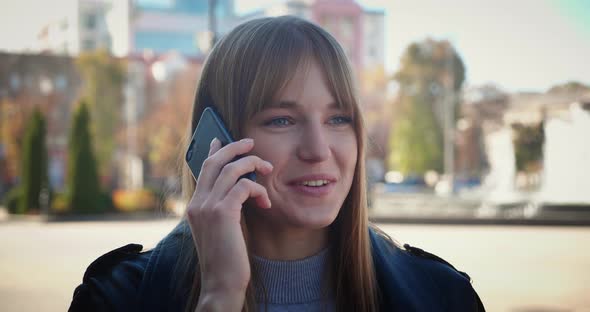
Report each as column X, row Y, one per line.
column 532, row 108
column 82, row 27
column 49, row 83
column 485, row 105
column 487, row 109
column 126, row 27
column 563, row 117
column 180, row 25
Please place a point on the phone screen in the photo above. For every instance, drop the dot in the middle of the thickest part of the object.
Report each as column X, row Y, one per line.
column 210, row 126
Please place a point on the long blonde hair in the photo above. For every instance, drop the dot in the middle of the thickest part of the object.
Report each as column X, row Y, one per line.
column 242, row 75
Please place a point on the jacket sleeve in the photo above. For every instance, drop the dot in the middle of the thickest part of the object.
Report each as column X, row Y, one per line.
column 459, row 294
column 455, row 286
column 111, row 283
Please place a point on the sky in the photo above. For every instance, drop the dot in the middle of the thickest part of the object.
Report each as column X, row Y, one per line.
column 524, row 45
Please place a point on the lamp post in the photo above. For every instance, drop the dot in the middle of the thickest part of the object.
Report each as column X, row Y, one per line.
column 2, row 142
column 213, row 21
column 449, row 121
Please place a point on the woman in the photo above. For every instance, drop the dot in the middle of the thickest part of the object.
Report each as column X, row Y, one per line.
column 297, row 239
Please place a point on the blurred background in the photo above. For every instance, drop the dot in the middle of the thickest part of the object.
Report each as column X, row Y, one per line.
column 478, row 114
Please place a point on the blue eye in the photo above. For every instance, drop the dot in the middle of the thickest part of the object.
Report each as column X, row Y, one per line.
column 278, row 122
column 340, row 120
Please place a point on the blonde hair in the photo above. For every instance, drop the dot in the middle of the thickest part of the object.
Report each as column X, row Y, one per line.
column 242, row 75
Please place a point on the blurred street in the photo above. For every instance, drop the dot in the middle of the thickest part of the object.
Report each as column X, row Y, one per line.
column 514, row 268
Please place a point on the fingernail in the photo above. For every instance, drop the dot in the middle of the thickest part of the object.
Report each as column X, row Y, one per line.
column 212, row 142
column 247, row 140
column 269, row 164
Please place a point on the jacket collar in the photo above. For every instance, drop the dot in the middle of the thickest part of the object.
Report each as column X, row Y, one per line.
column 402, row 284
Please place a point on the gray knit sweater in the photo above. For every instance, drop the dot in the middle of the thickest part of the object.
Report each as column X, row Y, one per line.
column 292, row 285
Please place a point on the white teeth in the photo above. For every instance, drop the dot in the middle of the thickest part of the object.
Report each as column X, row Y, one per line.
column 315, row 183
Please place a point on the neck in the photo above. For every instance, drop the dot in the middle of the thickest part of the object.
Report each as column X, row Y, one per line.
column 275, row 241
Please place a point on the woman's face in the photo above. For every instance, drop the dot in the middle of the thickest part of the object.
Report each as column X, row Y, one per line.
column 312, row 146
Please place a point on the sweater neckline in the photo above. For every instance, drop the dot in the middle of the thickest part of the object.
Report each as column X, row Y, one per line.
column 290, row 281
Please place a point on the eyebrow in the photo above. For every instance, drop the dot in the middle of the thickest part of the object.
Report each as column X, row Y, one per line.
column 293, row 104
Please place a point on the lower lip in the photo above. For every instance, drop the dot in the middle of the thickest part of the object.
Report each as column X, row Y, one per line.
column 314, row 191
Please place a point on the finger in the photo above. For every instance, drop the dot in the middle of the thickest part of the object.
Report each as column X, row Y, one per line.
column 217, row 159
column 214, row 146
column 231, row 172
column 243, row 190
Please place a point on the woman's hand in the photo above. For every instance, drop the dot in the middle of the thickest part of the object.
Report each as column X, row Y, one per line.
column 214, row 214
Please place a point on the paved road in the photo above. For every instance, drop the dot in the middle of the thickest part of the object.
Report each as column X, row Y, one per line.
column 514, row 268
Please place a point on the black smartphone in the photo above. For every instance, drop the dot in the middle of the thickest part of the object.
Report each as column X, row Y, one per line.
column 210, row 126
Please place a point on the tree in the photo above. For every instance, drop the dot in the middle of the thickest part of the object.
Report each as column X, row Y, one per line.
column 416, row 143
column 431, row 72
column 83, row 189
column 104, row 77
column 34, row 165
column 431, row 68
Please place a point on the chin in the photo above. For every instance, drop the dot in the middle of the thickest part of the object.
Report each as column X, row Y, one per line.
column 311, row 217
column 302, row 214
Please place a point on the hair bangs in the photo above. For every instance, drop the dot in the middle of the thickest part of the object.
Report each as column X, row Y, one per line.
column 299, row 43
column 336, row 68
column 285, row 42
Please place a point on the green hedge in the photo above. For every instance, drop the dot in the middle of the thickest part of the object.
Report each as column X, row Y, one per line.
column 34, row 165
column 83, row 188
column 12, row 199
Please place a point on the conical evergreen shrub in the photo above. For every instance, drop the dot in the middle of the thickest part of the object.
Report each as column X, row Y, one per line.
column 82, row 179
column 34, row 165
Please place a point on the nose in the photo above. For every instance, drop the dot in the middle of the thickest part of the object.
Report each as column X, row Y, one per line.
column 314, row 143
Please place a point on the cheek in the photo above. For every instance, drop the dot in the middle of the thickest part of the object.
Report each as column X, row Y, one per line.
column 270, row 149
column 274, row 151
column 347, row 151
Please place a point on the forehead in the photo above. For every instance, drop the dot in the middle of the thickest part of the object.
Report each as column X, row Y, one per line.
column 307, row 81
column 307, row 86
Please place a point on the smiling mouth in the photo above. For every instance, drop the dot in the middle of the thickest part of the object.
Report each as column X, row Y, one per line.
column 314, row 183
column 313, row 188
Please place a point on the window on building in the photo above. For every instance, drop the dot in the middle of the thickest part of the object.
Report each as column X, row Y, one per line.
column 90, row 21
column 15, row 82
column 61, row 82
column 45, row 85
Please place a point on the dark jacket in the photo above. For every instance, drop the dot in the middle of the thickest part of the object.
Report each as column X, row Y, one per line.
column 410, row 279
